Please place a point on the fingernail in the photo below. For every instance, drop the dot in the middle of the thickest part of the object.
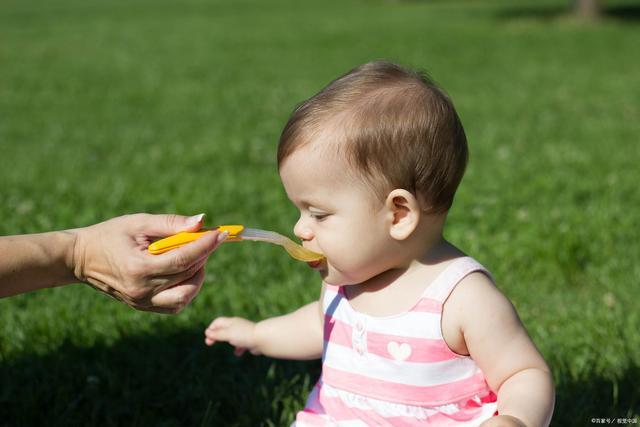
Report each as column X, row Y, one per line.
column 194, row 220
column 222, row 237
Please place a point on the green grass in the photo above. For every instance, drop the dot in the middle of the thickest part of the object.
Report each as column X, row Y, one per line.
column 112, row 107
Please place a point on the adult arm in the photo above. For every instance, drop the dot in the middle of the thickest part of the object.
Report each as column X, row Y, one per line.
column 112, row 257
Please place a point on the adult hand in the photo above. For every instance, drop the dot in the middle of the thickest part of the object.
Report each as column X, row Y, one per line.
column 112, row 257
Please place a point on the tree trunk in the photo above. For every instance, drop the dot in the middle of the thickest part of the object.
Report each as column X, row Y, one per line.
column 587, row 8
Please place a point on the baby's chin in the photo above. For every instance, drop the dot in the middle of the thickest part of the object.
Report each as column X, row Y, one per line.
column 336, row 278
column 332, row 276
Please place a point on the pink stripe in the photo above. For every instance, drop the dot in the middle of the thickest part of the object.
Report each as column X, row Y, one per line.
column 423, row 350
column 435, row 395
column 428, row 305
column 340, row 412
column 337, row 332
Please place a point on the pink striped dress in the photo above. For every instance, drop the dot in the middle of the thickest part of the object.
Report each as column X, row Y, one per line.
column 396, row 370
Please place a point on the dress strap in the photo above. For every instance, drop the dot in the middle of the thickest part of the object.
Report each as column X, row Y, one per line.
column 331, row 299
column 449, row 278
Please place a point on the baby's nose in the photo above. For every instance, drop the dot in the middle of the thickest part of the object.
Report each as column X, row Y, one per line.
column 301, row 231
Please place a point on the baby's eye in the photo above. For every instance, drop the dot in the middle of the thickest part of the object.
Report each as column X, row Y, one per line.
column 318, row 216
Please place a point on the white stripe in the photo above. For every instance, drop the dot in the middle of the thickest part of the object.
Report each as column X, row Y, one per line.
column 407, row 373
column 412, row 324
column 451, row 276
column 381, row 407
column 391, row 409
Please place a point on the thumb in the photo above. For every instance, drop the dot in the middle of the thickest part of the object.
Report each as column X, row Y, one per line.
column 166, row 225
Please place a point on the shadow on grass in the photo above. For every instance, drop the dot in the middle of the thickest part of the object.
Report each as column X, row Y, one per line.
column 172, row 380
column 623, row 13
column 578, row 402
column 630, row 13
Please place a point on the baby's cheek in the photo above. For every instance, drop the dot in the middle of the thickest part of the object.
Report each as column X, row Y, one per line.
column 353, row 268
column 345, row 259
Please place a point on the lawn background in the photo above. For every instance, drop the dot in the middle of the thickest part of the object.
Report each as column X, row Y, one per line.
column 114, row 107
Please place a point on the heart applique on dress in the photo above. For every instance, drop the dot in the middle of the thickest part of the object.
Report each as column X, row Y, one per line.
column 399, row 352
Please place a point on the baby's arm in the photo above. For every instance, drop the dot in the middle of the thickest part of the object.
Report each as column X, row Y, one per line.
column 496, row 339
column 297, row 335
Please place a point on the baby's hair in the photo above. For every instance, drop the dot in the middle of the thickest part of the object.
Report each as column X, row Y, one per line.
column 393, row 125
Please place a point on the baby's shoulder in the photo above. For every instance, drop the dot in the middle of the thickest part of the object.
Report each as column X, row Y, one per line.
column 477, row 283
column 470, row 291
column 476, row 297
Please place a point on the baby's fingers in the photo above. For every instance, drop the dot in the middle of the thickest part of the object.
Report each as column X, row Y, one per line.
column 220, row 322
column 216, row 330
column 209, row 339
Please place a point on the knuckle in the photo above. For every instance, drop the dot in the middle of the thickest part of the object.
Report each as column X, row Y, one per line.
column 137, row 218
column 130, row 300
column 171, row 221
column 137, row 222
column 135, row 292
column 130, row 219
column 131, row 295
column 137, row 295
column 192, row 272
column 181, row 262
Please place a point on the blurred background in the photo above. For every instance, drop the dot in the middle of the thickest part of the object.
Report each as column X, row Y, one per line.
column 112, row 107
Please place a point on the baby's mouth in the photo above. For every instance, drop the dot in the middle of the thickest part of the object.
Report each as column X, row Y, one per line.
column 317, row 264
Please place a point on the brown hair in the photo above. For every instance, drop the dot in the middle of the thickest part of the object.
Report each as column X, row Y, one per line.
column 397, row 128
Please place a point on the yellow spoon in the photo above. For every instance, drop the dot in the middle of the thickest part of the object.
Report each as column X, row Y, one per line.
column 237, row 233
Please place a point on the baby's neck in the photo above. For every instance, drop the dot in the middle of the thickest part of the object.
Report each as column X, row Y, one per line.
column 397, row 289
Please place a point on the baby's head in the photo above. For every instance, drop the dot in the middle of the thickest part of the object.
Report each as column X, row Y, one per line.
column 373, row 162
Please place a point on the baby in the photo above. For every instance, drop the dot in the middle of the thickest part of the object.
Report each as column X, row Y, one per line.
column 411, row 331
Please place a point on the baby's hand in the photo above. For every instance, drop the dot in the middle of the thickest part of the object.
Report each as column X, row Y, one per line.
column 238, row 332
column 503, row 421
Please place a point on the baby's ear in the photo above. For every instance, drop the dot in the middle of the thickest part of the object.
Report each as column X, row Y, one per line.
column 404, row 212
